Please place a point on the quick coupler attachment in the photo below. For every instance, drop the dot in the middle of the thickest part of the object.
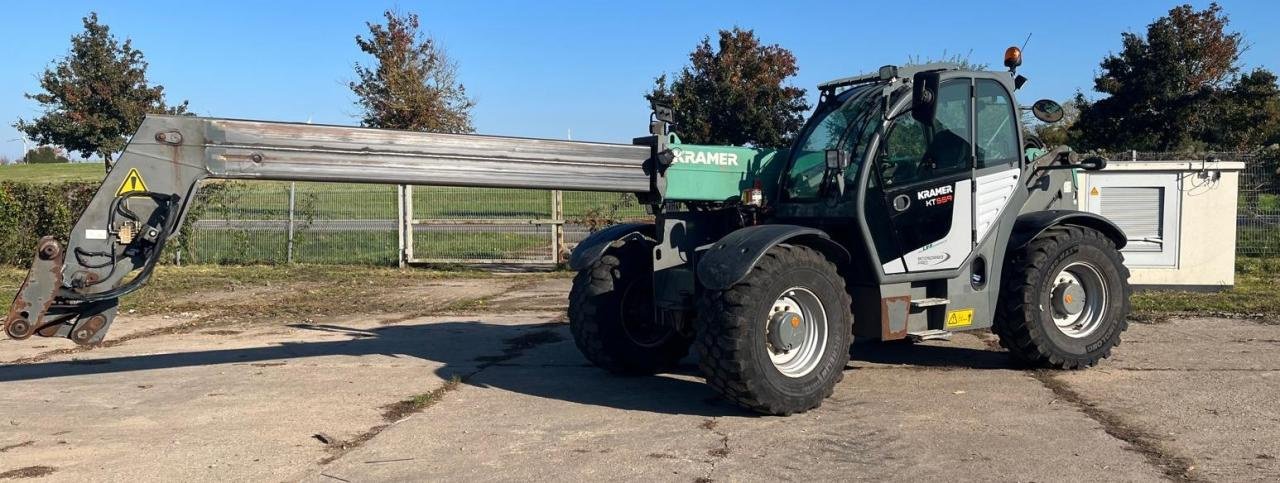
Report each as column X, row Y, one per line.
column 36, row 310
column 27, row 313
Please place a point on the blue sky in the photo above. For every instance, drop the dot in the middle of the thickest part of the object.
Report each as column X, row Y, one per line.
column 543, row 68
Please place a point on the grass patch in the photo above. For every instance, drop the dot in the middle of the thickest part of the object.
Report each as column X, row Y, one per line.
column 397, row 411
column 1256, row 293
column 365, row 247
column 52, row 173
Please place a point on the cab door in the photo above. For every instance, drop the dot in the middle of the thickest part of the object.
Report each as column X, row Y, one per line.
column 925, row 175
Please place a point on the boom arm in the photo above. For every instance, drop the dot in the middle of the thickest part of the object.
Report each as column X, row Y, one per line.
column 72, row 292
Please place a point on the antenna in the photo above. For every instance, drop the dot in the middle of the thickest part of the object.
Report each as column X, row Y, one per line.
column 1024, row 42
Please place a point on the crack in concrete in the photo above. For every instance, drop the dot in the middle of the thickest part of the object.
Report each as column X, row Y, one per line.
column 717, row 454
column 539, row 335
column 1175, row 467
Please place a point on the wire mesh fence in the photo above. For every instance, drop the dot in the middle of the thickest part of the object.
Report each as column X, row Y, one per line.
column 276, row 222
column 1258, row 206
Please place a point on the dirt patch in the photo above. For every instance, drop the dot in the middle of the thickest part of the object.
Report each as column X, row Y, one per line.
column 380, row 294
column 28, row 472
column 1174, row 466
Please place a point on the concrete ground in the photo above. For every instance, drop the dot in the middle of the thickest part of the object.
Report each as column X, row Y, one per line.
column 497, row 391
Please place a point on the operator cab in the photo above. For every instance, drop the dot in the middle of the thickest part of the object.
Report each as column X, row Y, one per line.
column 916, row 164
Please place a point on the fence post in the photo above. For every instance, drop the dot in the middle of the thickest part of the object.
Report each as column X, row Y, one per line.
column 401, row 222
column 293, row 193
column 407, row 225
column 557, row 224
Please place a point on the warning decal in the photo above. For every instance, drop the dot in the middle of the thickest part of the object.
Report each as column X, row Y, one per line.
column 133, row 183
column 959, row 318
column 1094, row 191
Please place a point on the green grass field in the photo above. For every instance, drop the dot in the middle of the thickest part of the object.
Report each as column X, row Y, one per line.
column 358, row 247
column 51, row 173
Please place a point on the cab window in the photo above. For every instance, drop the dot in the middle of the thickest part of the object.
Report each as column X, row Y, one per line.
column 844, row 127
column 997, row 125
column 912, row 153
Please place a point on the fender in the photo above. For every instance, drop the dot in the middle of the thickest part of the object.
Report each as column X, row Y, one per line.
column 1030, row 225
column 729, row 260
column 589, row 251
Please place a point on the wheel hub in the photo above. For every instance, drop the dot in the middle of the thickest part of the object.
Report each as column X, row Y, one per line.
column 1078, row 299
column 1068, row 299
column 796, row 332
column 787, row 331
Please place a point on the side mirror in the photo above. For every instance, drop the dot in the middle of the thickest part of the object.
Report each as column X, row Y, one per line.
column 664, row 113
column 1047, row 111
column 924, row 97
column 1093, row 163
column 837, row 160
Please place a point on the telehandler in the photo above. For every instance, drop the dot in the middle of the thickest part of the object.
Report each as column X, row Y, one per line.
column 913, row 204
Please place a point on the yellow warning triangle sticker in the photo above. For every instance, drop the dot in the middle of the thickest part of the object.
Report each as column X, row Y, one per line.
column 133, row 183
column 1094, row 191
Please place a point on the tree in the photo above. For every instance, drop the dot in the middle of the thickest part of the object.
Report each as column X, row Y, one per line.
column 735, row 94
column 1179, row 87
column 414, row 85
column 45, row 155
column 95, row 97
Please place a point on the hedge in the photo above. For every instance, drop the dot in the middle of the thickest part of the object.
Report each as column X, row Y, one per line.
column 29, row 211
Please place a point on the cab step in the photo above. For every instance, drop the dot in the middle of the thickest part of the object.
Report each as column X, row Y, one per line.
column 931, row 334
column 929, row 302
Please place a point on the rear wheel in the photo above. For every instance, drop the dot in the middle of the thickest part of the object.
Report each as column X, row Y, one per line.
column 777, row 342
column 1065, row 299
column 611, row 315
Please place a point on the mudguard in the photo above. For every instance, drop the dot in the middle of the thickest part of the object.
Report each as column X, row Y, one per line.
column 1030, row 225
column 729, row 260
column 593, row 247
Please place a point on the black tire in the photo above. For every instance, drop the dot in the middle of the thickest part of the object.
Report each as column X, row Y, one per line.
column 613, row 295
column 1024, row 321
column 732, row 339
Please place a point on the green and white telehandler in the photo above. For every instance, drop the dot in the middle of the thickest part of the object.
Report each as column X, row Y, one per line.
column 913, row 204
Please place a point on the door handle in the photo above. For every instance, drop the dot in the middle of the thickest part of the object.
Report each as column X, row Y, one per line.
column 901, row 203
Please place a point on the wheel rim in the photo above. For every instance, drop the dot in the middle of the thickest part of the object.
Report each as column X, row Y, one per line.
column 638, row 318
column 796, row 332
column 1078, row 299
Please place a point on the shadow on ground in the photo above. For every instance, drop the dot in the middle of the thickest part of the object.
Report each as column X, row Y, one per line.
column 937, row 356
column 559, row 372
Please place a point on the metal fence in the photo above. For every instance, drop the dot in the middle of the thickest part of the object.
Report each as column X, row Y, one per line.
column 1258, row 207
column 276, row 222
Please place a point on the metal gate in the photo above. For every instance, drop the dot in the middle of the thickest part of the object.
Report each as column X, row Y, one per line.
column 531, row 233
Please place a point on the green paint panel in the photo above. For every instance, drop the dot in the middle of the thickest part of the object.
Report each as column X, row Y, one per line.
column 719, row 173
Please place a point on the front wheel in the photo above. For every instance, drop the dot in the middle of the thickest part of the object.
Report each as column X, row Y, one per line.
column 777, row 342
column 1065, row 299
column 611, row 315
